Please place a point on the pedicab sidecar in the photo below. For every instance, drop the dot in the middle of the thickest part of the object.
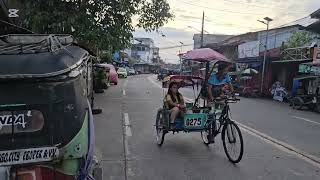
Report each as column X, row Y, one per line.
column 208, row 118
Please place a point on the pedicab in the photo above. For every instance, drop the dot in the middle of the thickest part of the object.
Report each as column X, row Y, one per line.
column 248, row 81
column 46, row 123
column 208, row 118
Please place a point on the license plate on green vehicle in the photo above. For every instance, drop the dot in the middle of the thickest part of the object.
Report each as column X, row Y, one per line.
column 194, row 121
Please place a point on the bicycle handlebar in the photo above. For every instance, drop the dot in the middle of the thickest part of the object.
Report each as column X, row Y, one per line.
column 227, row 99
column 232, row 100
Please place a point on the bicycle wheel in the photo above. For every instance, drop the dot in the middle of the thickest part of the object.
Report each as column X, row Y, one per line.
column 232, row 142
column 207, row 135
column 160, row 127
column 317, row 108
column 297, row 103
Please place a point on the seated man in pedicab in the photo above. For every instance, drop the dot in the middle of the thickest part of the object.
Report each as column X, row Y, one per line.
column 219, row 84
column 175, row 102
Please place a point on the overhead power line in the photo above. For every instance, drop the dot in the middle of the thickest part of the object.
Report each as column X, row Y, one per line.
column 230, row 11
column 253, row 5
column 168, row 53
column 221, row 24
column 172, row 47
column 221, row 10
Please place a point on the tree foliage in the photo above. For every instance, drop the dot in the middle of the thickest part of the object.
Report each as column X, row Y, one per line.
column 106, row 57
column 106, row 24
column 298, row 39
column 132, row 60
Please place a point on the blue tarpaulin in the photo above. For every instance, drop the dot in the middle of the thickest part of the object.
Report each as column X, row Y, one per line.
column 116, row 57
column 295, row 85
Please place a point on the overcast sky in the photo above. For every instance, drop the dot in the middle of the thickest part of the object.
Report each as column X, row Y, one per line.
column 224, row 17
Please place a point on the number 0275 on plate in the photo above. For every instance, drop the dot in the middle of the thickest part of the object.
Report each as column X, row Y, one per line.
column 194, row 121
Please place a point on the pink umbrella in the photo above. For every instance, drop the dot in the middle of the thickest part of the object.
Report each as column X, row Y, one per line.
column 205, row 55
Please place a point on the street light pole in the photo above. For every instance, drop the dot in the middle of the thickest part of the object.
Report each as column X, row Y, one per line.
column 265, row 52
column 180, row 51
column 204, row 31
column 264, row 59
column 180, row 55
column 202, row 28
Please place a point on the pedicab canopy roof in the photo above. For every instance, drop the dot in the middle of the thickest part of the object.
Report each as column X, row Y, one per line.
column 206, row 55
column 182, row 80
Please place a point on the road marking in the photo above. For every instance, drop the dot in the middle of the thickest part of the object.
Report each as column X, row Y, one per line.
column 125, row 83
column 153, row 82
column 307, row 120
column 159, row 86
column 124, row 87
column 128, row 131
column 315, row 161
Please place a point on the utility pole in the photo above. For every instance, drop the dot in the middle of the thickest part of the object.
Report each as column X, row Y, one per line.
column 266, row 22
column 180, row 55
column 201, row 45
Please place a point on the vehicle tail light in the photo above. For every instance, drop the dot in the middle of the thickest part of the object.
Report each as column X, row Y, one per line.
column 39, row 173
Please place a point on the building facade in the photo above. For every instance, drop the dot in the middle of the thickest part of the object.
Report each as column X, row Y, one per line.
column 248, row 51
column 208, row 39
column 143, row 49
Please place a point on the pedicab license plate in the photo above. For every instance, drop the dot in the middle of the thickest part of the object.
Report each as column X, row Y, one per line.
column 194, row 121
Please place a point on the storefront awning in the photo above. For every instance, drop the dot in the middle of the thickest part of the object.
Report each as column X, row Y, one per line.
column 249, row 60
column 291, row 61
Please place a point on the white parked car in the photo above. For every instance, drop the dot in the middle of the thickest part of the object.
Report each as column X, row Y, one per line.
column 122, row 72
column 132, row 71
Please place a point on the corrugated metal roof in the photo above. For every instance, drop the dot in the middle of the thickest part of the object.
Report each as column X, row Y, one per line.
column 239, row 39
column 315, row 27
column 315, row 14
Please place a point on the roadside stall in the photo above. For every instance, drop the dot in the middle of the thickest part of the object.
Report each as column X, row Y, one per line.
column 246, row 84
column 306, row 87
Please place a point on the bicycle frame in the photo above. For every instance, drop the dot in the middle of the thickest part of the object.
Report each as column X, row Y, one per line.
column 223, row 119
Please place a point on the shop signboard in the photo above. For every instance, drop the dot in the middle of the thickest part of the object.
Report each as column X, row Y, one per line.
column 315, row 70
column 316, row 55
column 249, row 49
column 309, row 69
column 303, row 68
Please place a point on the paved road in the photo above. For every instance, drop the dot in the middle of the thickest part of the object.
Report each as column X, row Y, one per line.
column 125, row 140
